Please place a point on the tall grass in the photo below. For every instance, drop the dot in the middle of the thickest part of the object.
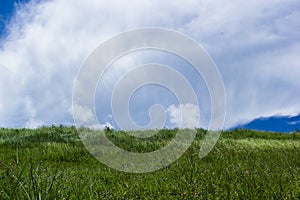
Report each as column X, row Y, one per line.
column 52, row 163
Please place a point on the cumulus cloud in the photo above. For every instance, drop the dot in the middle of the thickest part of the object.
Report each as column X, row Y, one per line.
column 184, row 115
column 101, row 126
column 255, row 44
column 86, row 117
column 33, row 123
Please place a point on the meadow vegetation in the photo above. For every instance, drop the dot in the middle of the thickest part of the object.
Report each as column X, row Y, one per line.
column 52, row 163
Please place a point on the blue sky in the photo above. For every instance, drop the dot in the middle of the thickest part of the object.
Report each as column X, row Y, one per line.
column 255, row 45
column 7, row 9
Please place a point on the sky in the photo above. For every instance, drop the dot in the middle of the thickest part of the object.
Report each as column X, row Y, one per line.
column 255, row 45
column 7, row 9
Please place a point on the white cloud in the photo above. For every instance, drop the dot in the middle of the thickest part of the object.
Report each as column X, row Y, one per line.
column 101, row 126
column 184, row 115
column 255, row 44
column 83, row 115
column 294, row 122
column 33, row 123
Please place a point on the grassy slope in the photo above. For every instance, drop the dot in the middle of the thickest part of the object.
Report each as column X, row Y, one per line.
column 52, row 163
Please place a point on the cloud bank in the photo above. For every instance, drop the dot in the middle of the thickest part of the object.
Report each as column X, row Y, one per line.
column 255, row 44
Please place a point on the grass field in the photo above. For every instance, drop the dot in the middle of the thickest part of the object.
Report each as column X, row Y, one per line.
column 52, row 163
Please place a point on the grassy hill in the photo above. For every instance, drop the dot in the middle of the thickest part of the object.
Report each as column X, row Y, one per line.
column 52, row 163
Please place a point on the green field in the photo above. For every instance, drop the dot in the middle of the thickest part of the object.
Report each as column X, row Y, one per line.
column 52, row 163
